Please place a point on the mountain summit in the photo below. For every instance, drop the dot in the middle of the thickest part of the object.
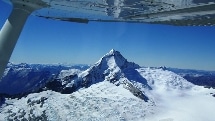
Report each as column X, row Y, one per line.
column 114, row 60
column 114, row 68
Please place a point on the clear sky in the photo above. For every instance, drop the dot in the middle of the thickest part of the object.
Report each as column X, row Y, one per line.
column 49, row 41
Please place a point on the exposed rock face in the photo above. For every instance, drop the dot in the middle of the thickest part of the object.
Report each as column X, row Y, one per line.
column 112, row 67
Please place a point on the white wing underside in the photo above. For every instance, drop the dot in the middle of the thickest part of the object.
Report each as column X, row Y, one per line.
column 174, row 12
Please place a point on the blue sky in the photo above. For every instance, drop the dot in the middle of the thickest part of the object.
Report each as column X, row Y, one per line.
column 49, row 41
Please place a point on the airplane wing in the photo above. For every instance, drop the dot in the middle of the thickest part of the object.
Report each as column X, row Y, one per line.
column 173, row 12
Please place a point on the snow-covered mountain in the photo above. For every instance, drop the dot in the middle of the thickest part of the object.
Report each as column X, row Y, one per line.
column 22, row 78
column 114, row 68
column 114, row 89
column 197, row 77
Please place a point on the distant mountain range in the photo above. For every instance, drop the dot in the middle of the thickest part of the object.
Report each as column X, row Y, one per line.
column 197, row 77
column 21, row 78
column 111, row 89
column 26, row 78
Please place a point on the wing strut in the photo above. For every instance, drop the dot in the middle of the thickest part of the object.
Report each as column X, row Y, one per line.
column 12, row 28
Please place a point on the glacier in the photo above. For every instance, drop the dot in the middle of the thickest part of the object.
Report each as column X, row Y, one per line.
column 113, row 89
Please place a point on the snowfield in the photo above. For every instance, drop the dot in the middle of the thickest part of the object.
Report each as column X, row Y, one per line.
column 125, row 92
column 101, row 101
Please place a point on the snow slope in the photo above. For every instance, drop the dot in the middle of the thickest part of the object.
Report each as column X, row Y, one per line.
column 114, row 89
column 105, row 101
column 101, row 101
column 177, row 99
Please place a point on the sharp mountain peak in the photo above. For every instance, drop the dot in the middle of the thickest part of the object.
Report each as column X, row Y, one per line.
column 115, row 59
